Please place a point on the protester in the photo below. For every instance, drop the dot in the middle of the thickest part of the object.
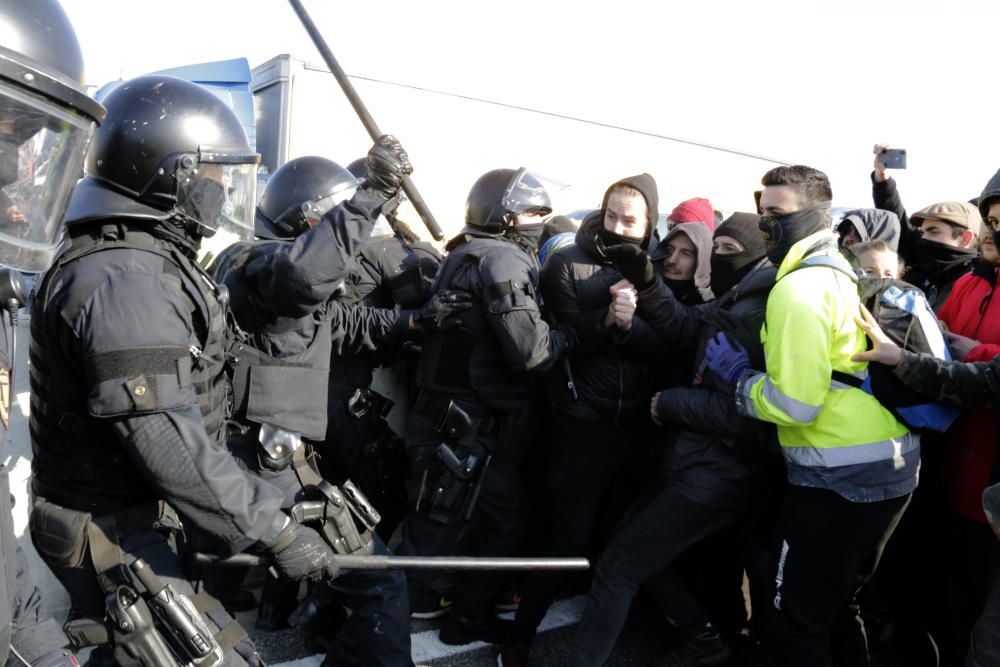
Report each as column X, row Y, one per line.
column 683, row 258
column 877, row 259
column 851, row 465
column 600, row 397
column 713, row 458
column 869, row 224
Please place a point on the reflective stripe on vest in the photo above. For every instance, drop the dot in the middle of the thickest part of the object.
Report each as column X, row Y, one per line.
column 834, row 457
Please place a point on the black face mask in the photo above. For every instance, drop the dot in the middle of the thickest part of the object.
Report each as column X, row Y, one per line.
column 205, row 203
column 727, row 270
column 781, row 232
column 936, row 260
column 611, row 239
column 684, row 291
column 526, row 236
column 996, row 239
column 8, row 161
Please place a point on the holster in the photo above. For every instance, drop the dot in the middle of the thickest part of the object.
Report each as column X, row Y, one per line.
column 343, row 515
column 148, row 628
column 449, row 495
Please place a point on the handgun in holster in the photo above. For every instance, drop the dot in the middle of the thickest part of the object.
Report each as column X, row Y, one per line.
column 453, row 496
column 155, row 626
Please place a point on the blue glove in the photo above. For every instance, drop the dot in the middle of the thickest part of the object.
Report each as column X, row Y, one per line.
column 726, row 359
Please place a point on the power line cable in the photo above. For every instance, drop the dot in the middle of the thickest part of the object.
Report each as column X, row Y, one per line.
column 586, row 121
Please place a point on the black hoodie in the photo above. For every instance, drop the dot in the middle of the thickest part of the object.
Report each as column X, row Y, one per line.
column 609, row 377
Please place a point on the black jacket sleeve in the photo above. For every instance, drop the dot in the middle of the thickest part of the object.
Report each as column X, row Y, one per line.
column 885, row 196
column 526, row 340
column 297, row 278
column 703, row 410
column 972, row 384
column 359, row 328
column 669, row 318
column 201, row 480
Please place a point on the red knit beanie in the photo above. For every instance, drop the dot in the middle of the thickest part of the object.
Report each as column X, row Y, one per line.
column 694, row 210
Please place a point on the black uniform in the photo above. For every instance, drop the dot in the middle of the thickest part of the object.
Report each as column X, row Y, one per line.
column 23, row 628
column 483, row 367
column 293, row 327
column 390, row 272
column 129, row 406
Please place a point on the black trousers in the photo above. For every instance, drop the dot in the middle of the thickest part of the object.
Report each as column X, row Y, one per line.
column 592, row 466
column 825, row 549
column 496, row 528
column 647, row 544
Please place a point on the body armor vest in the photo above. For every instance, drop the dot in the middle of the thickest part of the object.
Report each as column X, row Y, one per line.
column 77, row 460
column 467, row 362
column 286, row 384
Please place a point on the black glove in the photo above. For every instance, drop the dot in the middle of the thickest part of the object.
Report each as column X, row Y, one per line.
column 438, row 313
column 300, row 553
column 386, row 165
column 633, row 263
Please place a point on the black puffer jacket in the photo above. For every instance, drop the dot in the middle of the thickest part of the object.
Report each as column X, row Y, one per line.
column 713, row 452
column 609, row 377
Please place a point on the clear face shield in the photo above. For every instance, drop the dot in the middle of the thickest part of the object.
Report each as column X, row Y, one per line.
column 312, row 211
column 42, row 150
column 218, row 191
column 527, row 193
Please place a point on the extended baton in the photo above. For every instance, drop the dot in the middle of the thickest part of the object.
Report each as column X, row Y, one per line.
column 377, row 562
column 366, row 118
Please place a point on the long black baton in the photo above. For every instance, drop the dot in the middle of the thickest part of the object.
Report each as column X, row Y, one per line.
column 376, row 562
column 366, row 118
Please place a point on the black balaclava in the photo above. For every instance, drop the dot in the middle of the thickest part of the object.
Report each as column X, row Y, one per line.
column 8, row 161
column 728, row 270
column 781, row 232
column 937, row 260
column 526, row 236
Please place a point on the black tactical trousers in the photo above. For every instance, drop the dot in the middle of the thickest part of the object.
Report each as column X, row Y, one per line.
column 825, row 549
column 496, row 528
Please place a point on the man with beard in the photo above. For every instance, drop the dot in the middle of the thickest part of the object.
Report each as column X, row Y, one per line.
column 851, row 465
column 600, row 398
column 475, row 381
column 711, row 469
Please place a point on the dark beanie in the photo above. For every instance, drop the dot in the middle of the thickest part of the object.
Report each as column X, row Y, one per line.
column 557, row 224
column 743, row 228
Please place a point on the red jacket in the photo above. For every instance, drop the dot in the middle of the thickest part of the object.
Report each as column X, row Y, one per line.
column 971, row 311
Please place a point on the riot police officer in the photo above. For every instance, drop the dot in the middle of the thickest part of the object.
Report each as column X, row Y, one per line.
column 130, row 387
column 394, row 268
column 474, row 381
column 46, row 121
column 281, row 379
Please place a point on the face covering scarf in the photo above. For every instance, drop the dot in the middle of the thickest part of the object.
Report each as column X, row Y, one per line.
column 781, row 232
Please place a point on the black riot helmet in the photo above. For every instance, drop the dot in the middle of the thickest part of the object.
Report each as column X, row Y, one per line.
column 169, row 149
column 46, row 123
column 299, row 193
column 499, row 195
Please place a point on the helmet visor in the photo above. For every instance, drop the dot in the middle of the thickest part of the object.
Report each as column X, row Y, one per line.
column 312, row 211
column 42, row 150
column 526, row 193
column 219, row 195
